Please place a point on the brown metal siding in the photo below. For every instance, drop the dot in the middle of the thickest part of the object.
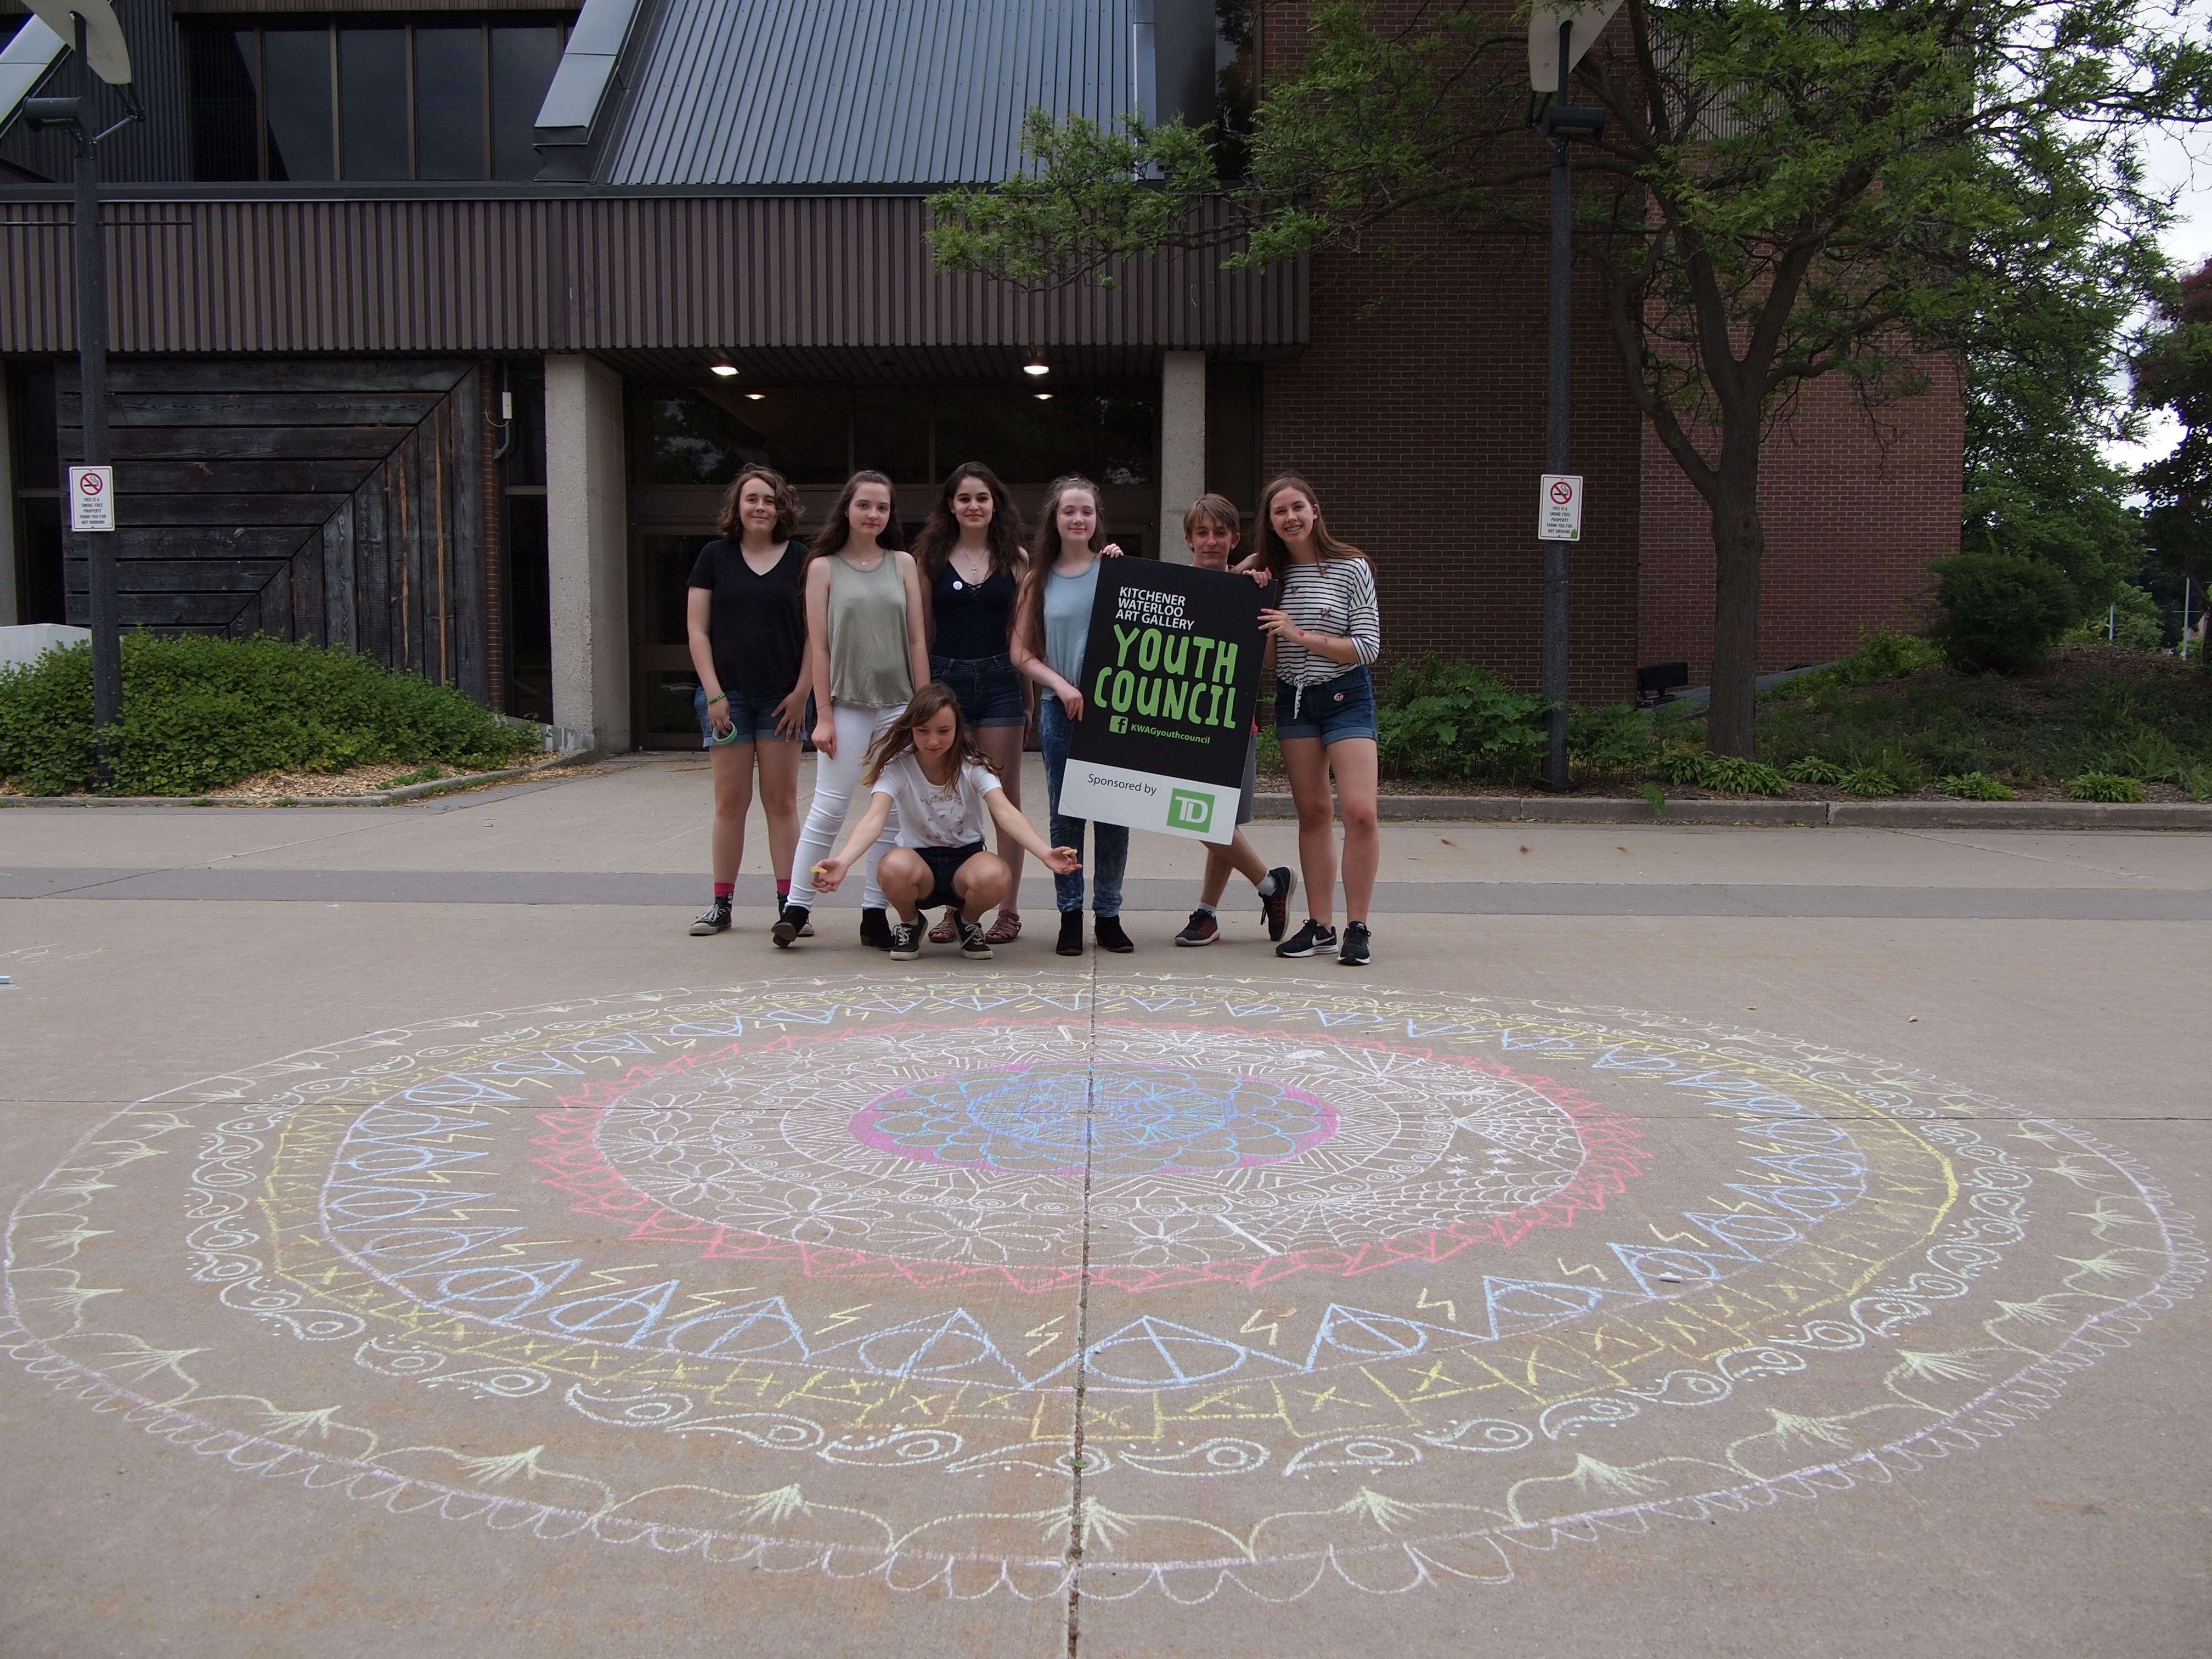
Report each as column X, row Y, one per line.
column 596, row 274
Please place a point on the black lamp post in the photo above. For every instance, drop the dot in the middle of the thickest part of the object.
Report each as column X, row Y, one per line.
column 1553, row 34
column 102, row 52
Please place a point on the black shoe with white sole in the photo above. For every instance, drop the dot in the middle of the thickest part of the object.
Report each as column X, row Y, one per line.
column 905, row 940
column 1311, row 940
column 1354, row 953
column 1202, row 929
column 972, row 945
column 1276, row 906
column 715, row 919
column 791, row 925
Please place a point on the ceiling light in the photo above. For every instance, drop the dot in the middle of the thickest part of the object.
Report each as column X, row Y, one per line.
column 755, row 396
column 1036, row 365
column 1042, row 397
column 725, row 370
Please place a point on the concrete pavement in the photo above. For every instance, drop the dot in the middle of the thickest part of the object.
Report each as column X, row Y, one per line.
column 714, row 1298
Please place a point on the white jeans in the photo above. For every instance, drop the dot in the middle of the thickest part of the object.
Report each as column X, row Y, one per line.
column 835, row 781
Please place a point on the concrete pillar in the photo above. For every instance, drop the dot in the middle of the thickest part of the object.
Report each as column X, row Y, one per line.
column 587, row 551
column 11, row 606
column 1183, row 446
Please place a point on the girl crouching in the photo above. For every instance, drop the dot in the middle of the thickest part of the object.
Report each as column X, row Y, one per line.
column 945, row 787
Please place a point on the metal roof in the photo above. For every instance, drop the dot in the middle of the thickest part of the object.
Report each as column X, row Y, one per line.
column 842, row 93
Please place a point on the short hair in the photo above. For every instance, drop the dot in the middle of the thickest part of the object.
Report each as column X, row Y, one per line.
column 1219, row 509
column 787, row 501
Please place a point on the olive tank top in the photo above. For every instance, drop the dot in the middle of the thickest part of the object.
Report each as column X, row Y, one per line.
column 869, row 664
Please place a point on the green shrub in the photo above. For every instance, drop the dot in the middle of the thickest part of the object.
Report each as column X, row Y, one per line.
column 2198, row 780
column 1998, row 613
column 1727, row 775
column 2133, row 618
column 1811, row 769
column 1883, row 655
column 1454, row 721
column 201, row 713
column 1611, row 740
column 2148, row 757
column 1871, row 782
column 2104, row 787
column 1976, row 786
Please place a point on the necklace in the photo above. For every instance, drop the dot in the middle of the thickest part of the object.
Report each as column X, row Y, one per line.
column 972, row 568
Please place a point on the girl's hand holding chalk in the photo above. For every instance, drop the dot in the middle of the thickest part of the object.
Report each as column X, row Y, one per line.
column 827, row 874
column 1063, row 860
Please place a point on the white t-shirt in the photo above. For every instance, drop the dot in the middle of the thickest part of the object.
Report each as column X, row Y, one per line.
column 938, row 815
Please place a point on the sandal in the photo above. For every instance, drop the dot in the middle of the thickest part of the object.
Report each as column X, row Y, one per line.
column 947, row 928
column 1007, row 929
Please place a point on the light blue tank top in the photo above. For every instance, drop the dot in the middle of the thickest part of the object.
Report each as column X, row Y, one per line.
column 1068, row 620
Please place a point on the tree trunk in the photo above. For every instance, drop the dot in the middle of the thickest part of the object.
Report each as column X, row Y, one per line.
column 1738, row 544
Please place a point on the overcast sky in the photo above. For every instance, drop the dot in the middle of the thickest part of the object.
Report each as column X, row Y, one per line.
column 2190, row 243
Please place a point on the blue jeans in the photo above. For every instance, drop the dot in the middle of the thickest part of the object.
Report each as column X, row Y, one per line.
column 1109, row 841
column 988, row 689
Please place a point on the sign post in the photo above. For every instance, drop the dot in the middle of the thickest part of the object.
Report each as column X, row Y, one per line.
column 1170, row 680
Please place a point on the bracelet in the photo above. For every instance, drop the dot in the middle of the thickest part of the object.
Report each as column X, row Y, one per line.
column 717, row 698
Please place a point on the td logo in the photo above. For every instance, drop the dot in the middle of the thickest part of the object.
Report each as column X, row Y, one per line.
column 1188, row 810
column 1117, row 723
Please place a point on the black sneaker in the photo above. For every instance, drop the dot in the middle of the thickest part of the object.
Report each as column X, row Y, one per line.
column 876, row 929
column 715, row 919
column 1314, row 936
column 1354, row 953
column 791, row 925
column 1071, row 933
column 1107, row 932
column 1276, row 910
column 905, row 940
column 1202, row 929
column 971, row 941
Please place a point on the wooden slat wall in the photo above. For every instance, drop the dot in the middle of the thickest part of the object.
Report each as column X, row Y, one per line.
column 339, row 502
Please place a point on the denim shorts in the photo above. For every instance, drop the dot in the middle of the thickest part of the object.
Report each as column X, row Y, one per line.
column 944, row 863
column 990, row 691
column 753, row 717
column 1332, row 711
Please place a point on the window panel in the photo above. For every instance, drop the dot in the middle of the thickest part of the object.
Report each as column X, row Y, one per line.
column 297, row 94
column 522, row 64
column 222, row 103
column 449, row 139
column 372, row 102
column 890, row 432
column 1028, row 439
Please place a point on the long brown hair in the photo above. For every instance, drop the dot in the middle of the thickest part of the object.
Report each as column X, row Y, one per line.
column 1028, row 605
column 925, row 706
column 839, row 530
column 940, row 531
column 787, row 506
column 1275, row 557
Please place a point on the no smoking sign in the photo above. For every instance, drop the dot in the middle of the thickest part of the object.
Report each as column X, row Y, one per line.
column 1560, row 508
column 92, row 498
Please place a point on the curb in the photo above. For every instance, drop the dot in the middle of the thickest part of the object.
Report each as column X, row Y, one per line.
column 382, row 798
column 1802, row 814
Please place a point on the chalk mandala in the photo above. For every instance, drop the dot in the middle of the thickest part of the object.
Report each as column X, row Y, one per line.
column 1183, row 1284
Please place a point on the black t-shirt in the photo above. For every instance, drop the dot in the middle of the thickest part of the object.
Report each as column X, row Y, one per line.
column 758, row 624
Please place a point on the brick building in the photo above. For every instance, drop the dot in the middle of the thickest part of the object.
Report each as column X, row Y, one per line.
column 438, row 329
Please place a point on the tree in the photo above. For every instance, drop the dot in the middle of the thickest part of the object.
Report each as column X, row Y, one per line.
column 1784, row 190
column 2174, row 371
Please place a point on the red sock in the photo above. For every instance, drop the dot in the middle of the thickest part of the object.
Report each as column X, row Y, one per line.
column 724, row 889
column 783, row 888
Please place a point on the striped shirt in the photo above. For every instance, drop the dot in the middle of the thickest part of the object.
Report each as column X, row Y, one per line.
column 1337, row 598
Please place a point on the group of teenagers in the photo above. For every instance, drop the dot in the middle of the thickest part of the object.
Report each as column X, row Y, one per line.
column 912, row 672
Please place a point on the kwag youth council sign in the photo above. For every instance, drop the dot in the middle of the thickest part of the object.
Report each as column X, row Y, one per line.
column 1170, row 677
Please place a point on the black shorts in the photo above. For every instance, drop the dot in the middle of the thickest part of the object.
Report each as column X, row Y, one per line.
column 944, row 863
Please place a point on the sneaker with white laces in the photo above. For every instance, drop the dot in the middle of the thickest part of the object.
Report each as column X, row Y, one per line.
column 1276, row 906
column 906, row 940
column 973, row 944
column 1310, row 940
column 715, row 919
column 1201, row 929
column 1354, row 954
